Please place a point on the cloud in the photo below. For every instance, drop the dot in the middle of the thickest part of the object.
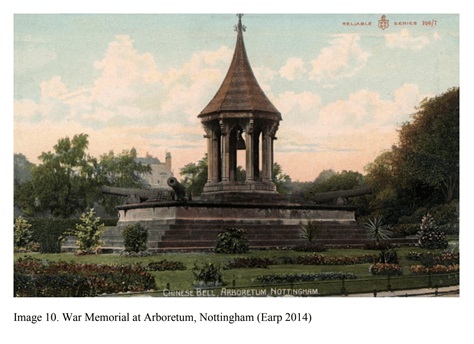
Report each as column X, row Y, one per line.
column 293, row 69
column 404, row 40
column 53, row 88
column 365, row 110
column 187, row 90
column 342, row 59
column 132, row 103
column 298, row 108
column 363, row 122
column 25, row 109
column 31, row 56
column 125, row 73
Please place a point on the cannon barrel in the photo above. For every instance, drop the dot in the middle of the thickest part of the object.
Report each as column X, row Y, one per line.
column 141, row 194
column 332, row 195
column 178, row 188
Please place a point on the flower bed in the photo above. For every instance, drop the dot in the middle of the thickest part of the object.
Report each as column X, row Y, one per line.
column 249, row 262
column 385, row 269
column 303, row 277
column 319, row 259
column 34, row 277
column 430, row 259
column 165, row 265
column 436, row 269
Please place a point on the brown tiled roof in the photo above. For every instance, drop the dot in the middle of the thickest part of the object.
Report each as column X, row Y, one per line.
column 240, row 90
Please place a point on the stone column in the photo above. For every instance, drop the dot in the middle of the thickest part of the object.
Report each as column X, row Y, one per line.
column 266, row 156
column 272, row 138
column 232, row 155
column 214, row 160
column 256, row 154
column 210, row 154
column 225, row 150
column 249, row 151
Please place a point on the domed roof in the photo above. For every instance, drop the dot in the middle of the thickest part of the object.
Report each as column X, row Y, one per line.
column 240, row 91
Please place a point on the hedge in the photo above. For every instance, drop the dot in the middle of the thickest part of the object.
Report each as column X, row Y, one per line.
column 51, row 232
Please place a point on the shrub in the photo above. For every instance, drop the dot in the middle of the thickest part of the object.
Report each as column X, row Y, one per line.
column 386, row 269
column 50, row 233
column 232, row 240
column 405, row 229
column 165, row 265
column 377, row 230
column 135, row 238
column 388, row 257
column 22, row 232
column 377, row 246
column 88, row 232
column 446, row 214
column 309, row 231
column 207, row 275
column 429, row 235
column 310, row 247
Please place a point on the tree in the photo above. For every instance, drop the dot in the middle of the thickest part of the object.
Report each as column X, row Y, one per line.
column 281, row 180
column 324, row 176
column 195, row 176
column 23, row 196
column 422, row 170
column 120, row 171
column 21, row 169
column 68, row 180
column 61, row 183
column 429, row 146
column 345, row 180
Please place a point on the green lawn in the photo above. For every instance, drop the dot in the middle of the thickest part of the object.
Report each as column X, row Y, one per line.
column 243, row 278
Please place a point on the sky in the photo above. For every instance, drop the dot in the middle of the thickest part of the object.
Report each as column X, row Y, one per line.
column 342, row 84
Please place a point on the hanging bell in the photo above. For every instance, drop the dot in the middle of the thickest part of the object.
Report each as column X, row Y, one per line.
column 240, row 141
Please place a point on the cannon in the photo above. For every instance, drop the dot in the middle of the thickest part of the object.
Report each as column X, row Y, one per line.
column 134, row 195
column 178, row 188
column 340, row 195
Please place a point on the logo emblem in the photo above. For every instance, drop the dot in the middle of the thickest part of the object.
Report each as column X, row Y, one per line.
column 383, row 22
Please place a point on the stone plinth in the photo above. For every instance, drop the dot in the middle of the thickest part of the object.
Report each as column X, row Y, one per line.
column 194, row 225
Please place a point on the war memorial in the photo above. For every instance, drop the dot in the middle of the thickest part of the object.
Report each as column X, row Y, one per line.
column 240, row 117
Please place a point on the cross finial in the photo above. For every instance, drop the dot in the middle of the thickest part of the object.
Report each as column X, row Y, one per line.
column 239, row 26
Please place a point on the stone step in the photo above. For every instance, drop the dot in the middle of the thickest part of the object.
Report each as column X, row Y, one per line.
column 220, row 225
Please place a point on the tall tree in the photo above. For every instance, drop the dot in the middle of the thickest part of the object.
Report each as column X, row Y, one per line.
column 422, row 170
column 62, row 181
column 344, row 180
column 23, row 197
column 67, row 181
column 195, row 176
column 120, row 170
column 429, row 146
column 281, row 180
column 21, row 168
